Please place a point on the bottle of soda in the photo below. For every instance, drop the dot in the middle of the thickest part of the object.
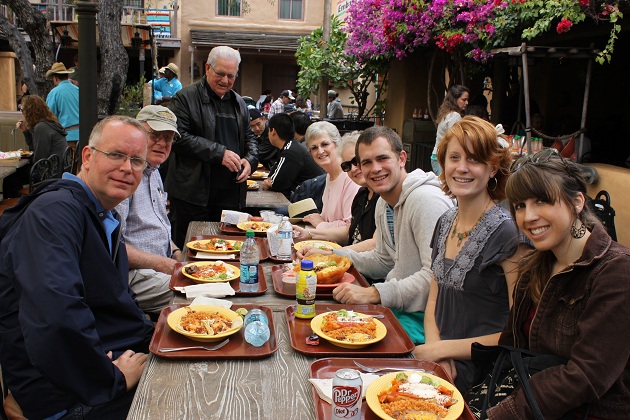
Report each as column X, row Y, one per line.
column 285, row 234
column 305, row 289
column 250, row 257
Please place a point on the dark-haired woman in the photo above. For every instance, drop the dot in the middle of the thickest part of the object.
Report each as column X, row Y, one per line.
column 475, row 250
column 42, row 132
column 572, row 299
column 451, row 111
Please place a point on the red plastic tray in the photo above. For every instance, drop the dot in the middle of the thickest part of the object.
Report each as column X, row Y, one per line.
column 178, row 279
column 237, row 348
column 326, row 368
column 322, row 292
column 395, row 343
column 262, row 245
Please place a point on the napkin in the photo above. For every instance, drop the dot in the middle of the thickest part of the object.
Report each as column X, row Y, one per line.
column 203, row 300
column 211, row 256
column 324, row 386
column 209, row 289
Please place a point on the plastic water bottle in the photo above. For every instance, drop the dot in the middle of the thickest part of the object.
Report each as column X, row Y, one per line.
column 285, row 234
column 257, row 333
column 250, row 257
column 305, row 289
column 255, row 314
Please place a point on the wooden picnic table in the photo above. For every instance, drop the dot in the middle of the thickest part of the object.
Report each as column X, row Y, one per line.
column 266, row 199
column 275, row 387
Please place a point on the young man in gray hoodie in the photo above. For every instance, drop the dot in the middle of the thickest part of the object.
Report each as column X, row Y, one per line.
column 406, row 216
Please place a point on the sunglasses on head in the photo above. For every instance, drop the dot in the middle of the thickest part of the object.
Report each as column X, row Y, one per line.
column 347, row 165
column 539, row 157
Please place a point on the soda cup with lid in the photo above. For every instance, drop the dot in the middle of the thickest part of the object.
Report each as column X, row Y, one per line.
column 347, row 395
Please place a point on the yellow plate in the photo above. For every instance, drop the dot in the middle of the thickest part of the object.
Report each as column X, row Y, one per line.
column 385, row 382
column 324, row 245
column 176, row 315
column 251, row 182
column 316, row 326
column 235, row 270
column 191, row 245
column 260, row 227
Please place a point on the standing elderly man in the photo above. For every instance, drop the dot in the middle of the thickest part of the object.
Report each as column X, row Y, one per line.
column 334, row 110
column 72, row 336
column 63, row 101
column 217, row 149
column 144, row 222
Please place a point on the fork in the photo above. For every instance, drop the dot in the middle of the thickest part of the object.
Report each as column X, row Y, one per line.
column 379, row 316
column 402, row 368
column 217, row 347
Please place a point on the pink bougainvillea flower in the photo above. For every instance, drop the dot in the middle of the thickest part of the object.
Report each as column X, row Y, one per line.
column 564, row 26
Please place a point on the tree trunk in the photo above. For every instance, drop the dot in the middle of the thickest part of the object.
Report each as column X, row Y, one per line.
column 35, row 25
column 114, row 57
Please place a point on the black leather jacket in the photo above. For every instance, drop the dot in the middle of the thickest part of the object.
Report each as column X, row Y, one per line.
column 197, row 152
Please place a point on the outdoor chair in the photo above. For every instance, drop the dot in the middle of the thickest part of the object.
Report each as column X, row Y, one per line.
column 67, row 161
column 55, row 166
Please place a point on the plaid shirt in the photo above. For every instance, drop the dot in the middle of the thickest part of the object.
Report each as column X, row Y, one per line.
column 276, row 108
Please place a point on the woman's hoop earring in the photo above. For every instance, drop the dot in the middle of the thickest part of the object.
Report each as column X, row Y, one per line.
column 496, row 183
column 578, row 233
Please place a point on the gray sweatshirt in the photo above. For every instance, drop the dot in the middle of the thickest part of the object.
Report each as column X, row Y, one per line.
column 405, row 265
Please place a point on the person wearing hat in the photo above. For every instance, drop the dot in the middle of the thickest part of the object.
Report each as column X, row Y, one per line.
column 334, row 111
column 63, row 101
column 166, row 87
column 144, row 222
column 295, row 163
column 278, row 106
column 267, row 154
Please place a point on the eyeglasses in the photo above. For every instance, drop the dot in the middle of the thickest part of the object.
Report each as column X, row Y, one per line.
column 221, row 75
column 137, row 164
column 347, row 166
column 156, row 136
column 539, row 157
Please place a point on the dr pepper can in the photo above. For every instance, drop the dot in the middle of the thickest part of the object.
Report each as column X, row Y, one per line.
column 346, row 395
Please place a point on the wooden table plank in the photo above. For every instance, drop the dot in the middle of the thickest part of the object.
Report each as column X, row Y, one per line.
column 266, row 199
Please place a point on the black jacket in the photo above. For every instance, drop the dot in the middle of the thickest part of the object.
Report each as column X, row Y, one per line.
column 65, row 302
column 198, row 152
column 295, row 166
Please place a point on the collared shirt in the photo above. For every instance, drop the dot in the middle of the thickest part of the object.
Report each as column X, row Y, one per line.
column 164, row 87
column 277, row 107
column 105, row 216
column 63, row 101
column 144, row 222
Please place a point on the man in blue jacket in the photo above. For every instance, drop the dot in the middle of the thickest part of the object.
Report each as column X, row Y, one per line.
column 72, row 337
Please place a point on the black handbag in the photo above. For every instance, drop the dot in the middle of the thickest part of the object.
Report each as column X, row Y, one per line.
column 500, row 370
column 600, row 205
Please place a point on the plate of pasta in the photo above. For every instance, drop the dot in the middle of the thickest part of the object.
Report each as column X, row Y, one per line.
column 348, row 329
column 412, row 395
column 205, row 323
column 210, row 271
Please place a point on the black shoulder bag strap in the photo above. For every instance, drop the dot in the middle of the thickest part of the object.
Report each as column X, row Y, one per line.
column 517, row 362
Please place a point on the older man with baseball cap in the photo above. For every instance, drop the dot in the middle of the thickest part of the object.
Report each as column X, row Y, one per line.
column 63, row 101
column 166, row 87
column 144, row 222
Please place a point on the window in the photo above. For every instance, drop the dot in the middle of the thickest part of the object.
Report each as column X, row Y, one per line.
column 133, row 3
column 229, row 7
column 291, row 9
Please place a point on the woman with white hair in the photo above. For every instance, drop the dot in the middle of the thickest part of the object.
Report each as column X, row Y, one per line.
column 322, row 139
column 359, row 233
